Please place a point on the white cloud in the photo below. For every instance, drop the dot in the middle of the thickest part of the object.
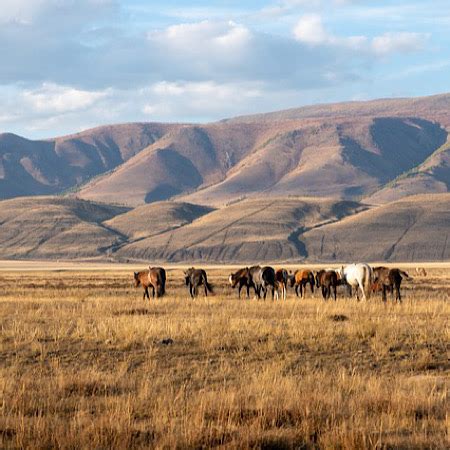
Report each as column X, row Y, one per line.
column 52, row 98
column 205, row 38
column 399, row 42
column 310, row 29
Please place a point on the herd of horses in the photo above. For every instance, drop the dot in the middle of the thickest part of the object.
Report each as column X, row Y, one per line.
column 358, row 279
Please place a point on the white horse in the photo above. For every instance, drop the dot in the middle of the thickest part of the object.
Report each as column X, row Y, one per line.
column 358, row 276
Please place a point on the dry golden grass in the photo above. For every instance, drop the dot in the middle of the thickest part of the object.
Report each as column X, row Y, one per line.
column 85, row 363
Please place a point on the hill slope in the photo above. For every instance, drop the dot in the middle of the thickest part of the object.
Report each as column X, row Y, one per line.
column 252, row 230
column 412, row 229
column 156, row 218
column 347, row 150
column 54, row 227
column 378, row 150
column 52, row 166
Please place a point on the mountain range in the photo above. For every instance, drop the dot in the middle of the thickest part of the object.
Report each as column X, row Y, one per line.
column 288, row 185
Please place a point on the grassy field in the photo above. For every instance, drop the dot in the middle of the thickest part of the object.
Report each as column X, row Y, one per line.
column 86, row 363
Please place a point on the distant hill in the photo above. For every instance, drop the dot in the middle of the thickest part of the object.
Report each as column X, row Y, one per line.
column 251, row 230
column 416, row 228
column 155, row 218
column 52, row 166
column 288, row 229
column 377, row 151
column 54, row 227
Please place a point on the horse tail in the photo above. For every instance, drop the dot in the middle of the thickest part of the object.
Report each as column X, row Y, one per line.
column 162, row 288
column 368, row 281
column 209, row 286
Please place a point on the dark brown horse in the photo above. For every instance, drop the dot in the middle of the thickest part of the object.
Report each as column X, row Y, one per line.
column 300, row 279
column 281, row 279
column 389, row 280
column 328, row 281
column 243, row 278
column 155, row 278
column 195, row 278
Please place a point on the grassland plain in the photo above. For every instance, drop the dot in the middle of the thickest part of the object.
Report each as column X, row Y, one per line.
column 86, row 363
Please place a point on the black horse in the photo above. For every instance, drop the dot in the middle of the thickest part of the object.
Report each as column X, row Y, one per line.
column 195, row 278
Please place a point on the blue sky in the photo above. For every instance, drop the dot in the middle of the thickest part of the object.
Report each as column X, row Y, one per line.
column 69, row 65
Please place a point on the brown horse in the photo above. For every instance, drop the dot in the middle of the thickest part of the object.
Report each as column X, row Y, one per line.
column 281, row 279
column 195, row 278
column 155, row 278
column 300, row 279
column 328, row 281
column 386, row 279
column 243, row 277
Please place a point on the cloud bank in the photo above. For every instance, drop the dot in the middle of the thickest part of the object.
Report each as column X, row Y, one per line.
column 68, row 64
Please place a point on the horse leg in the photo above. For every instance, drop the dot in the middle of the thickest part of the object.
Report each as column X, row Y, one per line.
column 192, row 290
column 361, row 286
column 153, row 291
column 398, row 295
column 383, row 294
column 334, row 291
column 296, row 289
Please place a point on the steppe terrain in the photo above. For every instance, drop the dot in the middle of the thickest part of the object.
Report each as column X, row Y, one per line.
column 86, row 363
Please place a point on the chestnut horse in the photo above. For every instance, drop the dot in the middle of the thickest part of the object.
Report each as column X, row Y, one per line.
column 300, row 279
column 155, row 278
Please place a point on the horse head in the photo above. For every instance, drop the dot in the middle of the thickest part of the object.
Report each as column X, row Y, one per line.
column 137, row 280
column 318, row 278
column 312, row 281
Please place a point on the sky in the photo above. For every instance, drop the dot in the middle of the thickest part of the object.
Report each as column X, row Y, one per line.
column 69, row 65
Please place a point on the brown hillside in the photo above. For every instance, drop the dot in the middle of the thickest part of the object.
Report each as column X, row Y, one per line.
column 412, row 229
column 155, row 218
column 252, row 230
column 52, row 166
column 348, row 150
column 434, row 107
column 342, row 159
column 431, row 176
column 54, row 227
